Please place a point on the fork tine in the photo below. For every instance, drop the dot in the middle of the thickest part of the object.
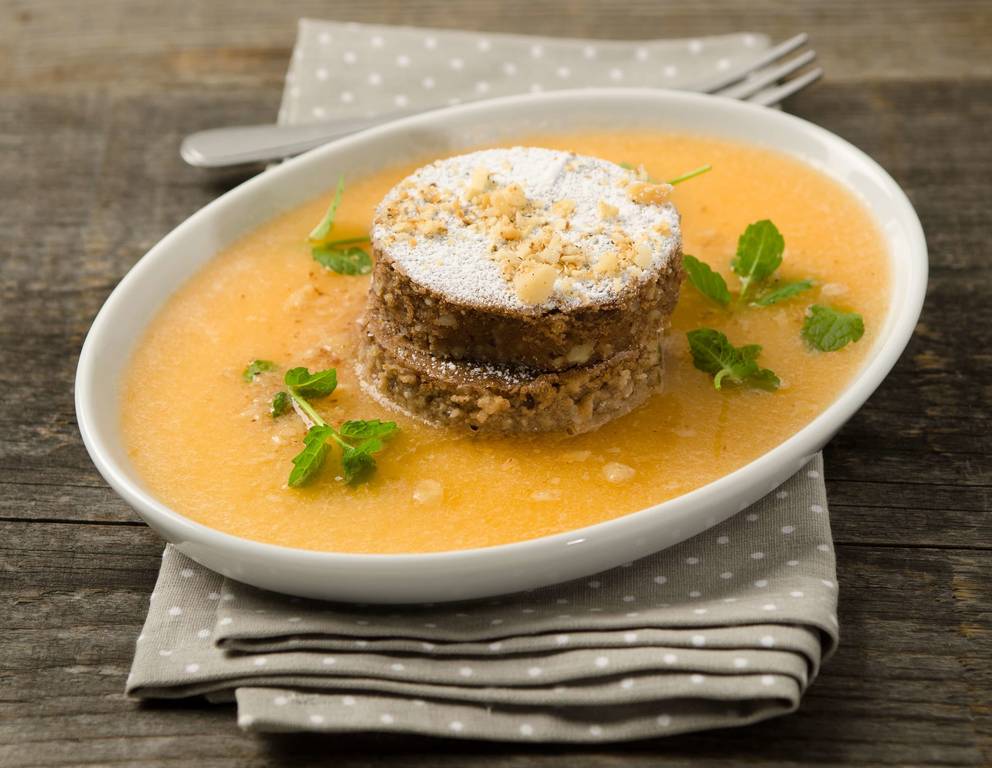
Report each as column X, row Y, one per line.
column 770, row 56
column 774, row 95
column 759, row 81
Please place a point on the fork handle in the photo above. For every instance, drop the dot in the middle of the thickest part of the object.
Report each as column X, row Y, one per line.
column 233, row 145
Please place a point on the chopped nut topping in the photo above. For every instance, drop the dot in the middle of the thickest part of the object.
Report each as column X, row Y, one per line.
column 646, row 193
column 535, row 285
column 607, row 211
column 642, row 254
column 607, row 264
column 434, row 227
column 539, row 247
column 478, row 182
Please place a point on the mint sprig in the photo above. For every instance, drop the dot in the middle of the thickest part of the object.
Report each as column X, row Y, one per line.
column 758, row 256
column 713, row 353
column 828, row 329
column 357, row 439
column 343, row 255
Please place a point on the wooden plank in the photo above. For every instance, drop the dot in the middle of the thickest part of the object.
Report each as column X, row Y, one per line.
column 51, row 44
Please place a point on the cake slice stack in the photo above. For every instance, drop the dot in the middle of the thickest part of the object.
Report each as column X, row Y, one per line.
column 520, row 290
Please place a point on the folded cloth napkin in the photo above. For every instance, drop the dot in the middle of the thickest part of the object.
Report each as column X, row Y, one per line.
column 725, row 629
column 342, row 70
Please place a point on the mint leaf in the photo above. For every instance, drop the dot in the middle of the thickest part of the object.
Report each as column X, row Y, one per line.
column 307, row 463
column 358, row 464
column 357, row 460
column 363, row 430
column 759, row 254
column 256, row 367
column 316, row 384
column 782, row 292
column 280, row 404
column 345, row 261
column 709, row 283
column 828, row 329
column 320, row 233
column 713, row 353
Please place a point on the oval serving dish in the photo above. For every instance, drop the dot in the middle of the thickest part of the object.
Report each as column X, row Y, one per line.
column 465, row 574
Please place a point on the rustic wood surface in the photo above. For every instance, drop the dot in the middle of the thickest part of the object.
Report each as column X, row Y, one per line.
column 94, row 99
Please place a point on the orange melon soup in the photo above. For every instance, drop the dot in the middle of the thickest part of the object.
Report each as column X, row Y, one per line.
column 205, row 443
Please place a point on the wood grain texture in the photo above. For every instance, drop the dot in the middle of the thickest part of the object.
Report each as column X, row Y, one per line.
column 93, row 102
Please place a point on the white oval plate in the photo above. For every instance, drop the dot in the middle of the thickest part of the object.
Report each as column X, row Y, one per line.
column 507, row 568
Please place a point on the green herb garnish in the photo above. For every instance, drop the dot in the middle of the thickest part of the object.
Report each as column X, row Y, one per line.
column 321, row 233
column 281, row 403
column 344, row 261
column 358, row 440
column 709, row 283
column 256, row 367
column 343, row 255
column 782, row 292
column 367, row 430
column 317, row 384
column 759, row 254
column 308, row 462
column 691, row 174
column 713, row 353
column 828, row 329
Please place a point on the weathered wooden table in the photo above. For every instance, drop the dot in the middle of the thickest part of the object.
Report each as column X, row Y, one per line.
column 94, row 98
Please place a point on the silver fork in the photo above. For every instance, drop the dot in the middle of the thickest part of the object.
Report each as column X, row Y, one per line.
column 763, row 81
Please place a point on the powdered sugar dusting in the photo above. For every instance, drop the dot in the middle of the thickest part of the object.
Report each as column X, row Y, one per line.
column 451, row 256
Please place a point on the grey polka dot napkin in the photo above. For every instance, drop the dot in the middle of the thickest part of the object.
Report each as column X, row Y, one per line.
column 342, row 70
column 725, row 629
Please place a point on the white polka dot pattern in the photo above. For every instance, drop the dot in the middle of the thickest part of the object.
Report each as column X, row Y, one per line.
column 388, row 69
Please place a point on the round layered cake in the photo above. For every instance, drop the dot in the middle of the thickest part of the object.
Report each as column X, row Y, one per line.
column 521, row 289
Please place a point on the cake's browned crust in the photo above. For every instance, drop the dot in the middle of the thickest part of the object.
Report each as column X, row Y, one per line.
column 548, row 340
column 492, row 398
